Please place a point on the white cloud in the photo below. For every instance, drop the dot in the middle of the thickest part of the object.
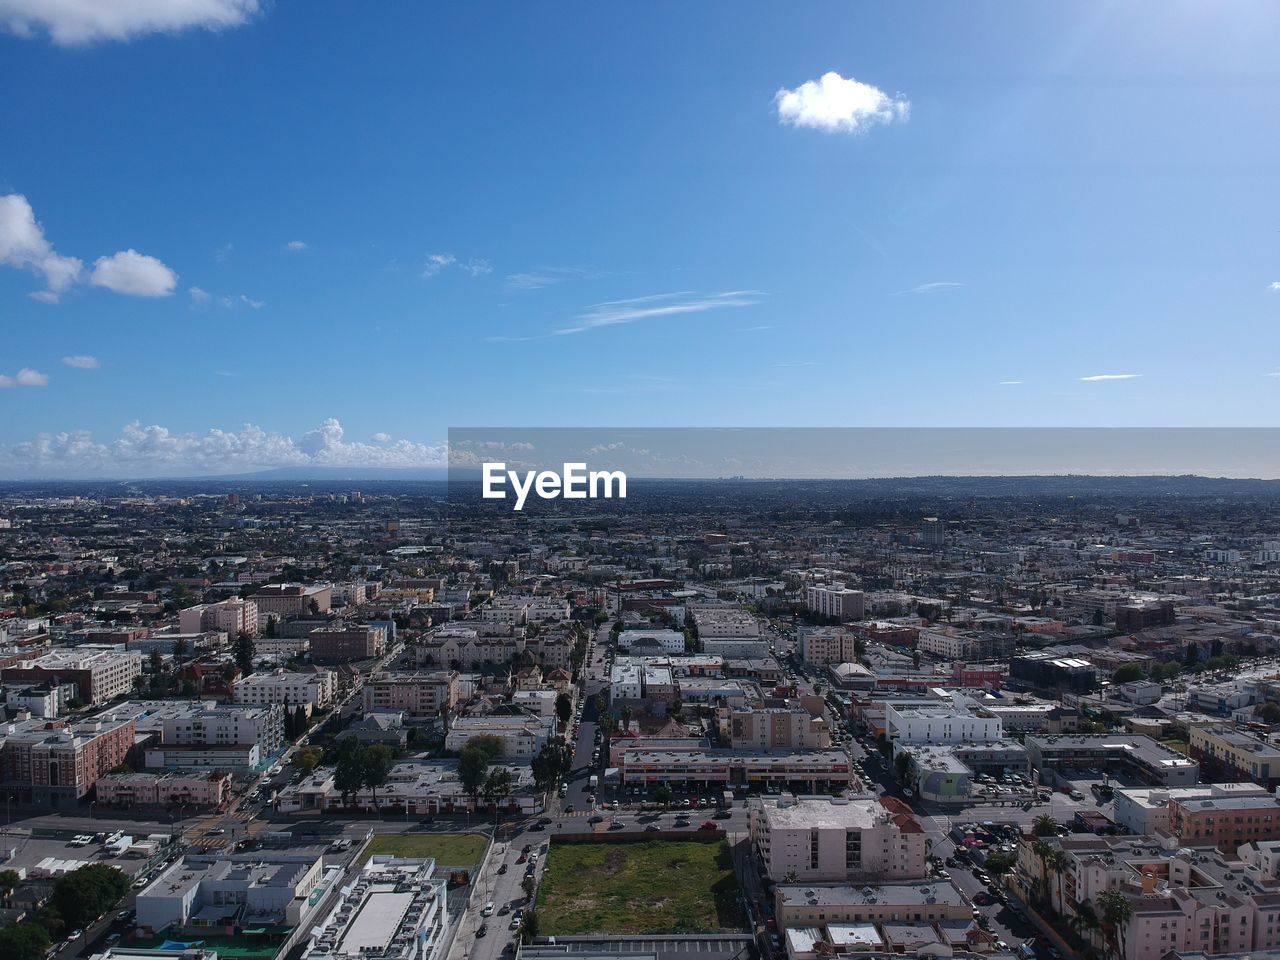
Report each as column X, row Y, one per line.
column 81, row 361
column 939, row 286
column 1110, row 376
column 658, row 305
column 26, row 377
column 150, row 451
column 199, row 297
column 75, row 22
column 549, row 276
column 133, row 274
column 251, row 303
column 203, row 298
column 437, row 262
column 296, row 246
column 1274, row 286
column 839, row 105
column 1010, row 383
column 381, row 437
column 23, row 245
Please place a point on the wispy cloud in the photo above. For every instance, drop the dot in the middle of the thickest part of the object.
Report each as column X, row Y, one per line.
column 541, row 277
column 756, row 329
column 796, row 363
column 1276, row 374
column 837, row 104
column 614, row 312
column 1274, row 286
column 26, row 377
column 223, row 253
column 78, row 24
column 203, row 298
column 81, row 361
column 938, row 286
column 1110, row 376
column 438, row 262
column 296, row 246
column 1010, row 383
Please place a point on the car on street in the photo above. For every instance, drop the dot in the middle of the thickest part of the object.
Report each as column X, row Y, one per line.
column 484, row 928
column 487, row 910
column 707, row 825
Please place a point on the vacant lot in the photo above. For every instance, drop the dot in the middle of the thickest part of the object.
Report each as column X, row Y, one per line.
column 449, row 849
column 649, row 887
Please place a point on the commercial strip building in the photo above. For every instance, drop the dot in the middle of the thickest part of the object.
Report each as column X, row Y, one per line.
column 211, row 791
column 879, row 904
column 418, row 788
column 1143, row 758
column 807, row 771
column 831, row 839
column 395, row 910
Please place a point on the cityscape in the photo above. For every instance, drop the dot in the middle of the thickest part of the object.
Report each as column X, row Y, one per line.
column 674, row 481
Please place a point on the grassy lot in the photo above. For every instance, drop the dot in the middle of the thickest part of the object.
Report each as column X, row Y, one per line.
column 657, row 886
column 449, row 849
column 1180, row 746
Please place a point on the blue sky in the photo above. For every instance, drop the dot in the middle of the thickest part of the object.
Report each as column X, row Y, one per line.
column 587, row 214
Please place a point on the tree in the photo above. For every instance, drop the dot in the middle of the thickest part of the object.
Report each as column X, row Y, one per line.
column 498, row 785
column 1057, row 863
column 1127, row 674
column 552, row 763
column 348, row 774
column 664, row 794
column 1045, row 826
column 902, row 767
column 1116, row 911
column 626, row 715
column 377, row 763
column 88, row 892
column 473, row 764
column 244, row 652
column 529, row 925
column 179, row 649
column 307, row 758
column 1043, row 849
column 1269, row 712
column 300, row 720
column 270, row 632
column 790, row 877
column 998, row 863
column 24, row 941
column 9, row 882
column 564, row 708
column 528, row 885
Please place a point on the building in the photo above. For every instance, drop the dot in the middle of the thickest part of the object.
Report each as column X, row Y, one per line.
column 778, row 728
column 833, row 840
column 1145, row 811
column 1042, row 670
column 836, row 600
column 1225, row 822
column 220, row 891
column 721, row 620
column 426, row 694
column 940, row 723
column 209, row 791
column 1141, row 757
column 966, row 646
column 801, row 771
column 395, row 910
column 100, row 675
column 883, row 903
column 521, row 737
column 55, row 764
column 1231, row 755
column 282, row 600
column 933, row 532
column 666, row 641
column 232, row 617
column 828, row 645
column 314, row 689
column 1142, row 614
column 417, row 788
column 208, row 725
column 347, row 643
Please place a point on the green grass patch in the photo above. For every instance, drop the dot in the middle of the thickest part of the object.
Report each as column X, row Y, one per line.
column 1178, row 746
column 449, row 849
column 649, row 887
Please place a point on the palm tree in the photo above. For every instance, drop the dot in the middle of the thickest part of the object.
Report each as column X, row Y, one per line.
column 1043, row 850
column 1045, row 826
column 790, row 877
column 1116, row 911
column 1085, row 920
column 1057, row 864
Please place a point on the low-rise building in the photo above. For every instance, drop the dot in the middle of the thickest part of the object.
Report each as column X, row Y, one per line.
column 1141, row 757
column 100, row 676
column 423, row 694
column 521, row 737
column 1230, row 754
column 802, row 771
column 210, row 791
column 314, row 688
column 395, row 910
column 753, row 727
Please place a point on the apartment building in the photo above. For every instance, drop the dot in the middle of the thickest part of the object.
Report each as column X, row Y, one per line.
column 521, row 737
column 966, row 646
column 283, row 600
column 408, row 900
column 356, row 642
column 664, row 641
column 315, row 688
column 208, row 725
column 778, row 728
column 232, row 617
column 1229, row 754
column 722, row 620
column 1225, row 822
column 210, row 791
column 836, row 600
column 54, row 764
column 826, row 646
column 425, row 694
column 1145, row 810
column 940, row 723
column 99, row 676
column 834, row 840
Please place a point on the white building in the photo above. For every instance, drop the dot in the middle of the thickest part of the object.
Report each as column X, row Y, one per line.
column 207, row 725
column 521, row 737
column 394, row 910
column 830, row 840
column 670, row 641
column 626, row 681
column 313, row 688
column 232, row 617
column 836, row 600
column 944, row 723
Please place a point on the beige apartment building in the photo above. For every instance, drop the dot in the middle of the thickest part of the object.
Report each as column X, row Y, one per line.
column 778, row 728
column 417, row 694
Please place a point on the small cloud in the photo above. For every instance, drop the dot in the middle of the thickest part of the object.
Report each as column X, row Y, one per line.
column 1274, row 286
column 223, row 253
column 756, row 329
column 26, row 377
column 1110, row 376
column 296, row 246
column 79, row 24
column 836, row 104
column 1276, row 374
column 548, row 276
column 616, row 312
column 381, row 438
column 935, row 287
column 476, row 267
column 495, row 338
column 252, row 304
column 133, row 274
column 81, row 361
column 1010, row 383
column 438, row 262
column 199, row 297
column 223, row 373
column 23, row 245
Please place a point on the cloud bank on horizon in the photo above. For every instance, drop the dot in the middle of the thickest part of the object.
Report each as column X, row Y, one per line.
column 82, row 22
column 142, row 451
